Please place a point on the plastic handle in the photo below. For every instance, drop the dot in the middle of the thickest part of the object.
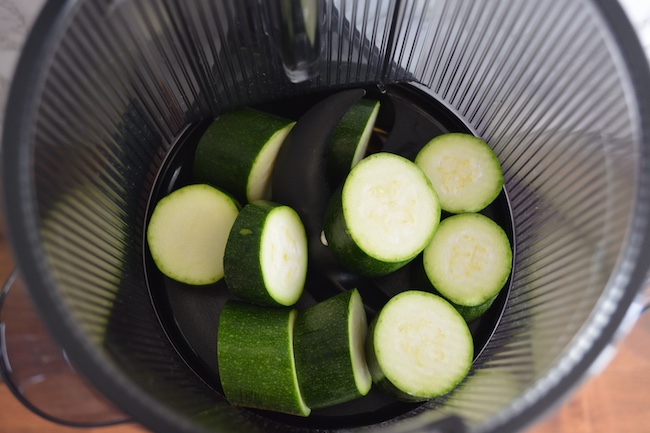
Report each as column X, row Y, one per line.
column 36, row 369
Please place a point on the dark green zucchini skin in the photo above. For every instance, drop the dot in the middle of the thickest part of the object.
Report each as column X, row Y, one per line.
column 255, row 358
column 324, row 366
column 229, row 147
column 300, row 177
column 347, row 138
column 472, row 313
column 242, row 263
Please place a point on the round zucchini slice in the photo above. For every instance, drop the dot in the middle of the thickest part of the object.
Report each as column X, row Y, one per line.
column 419, row 346
column 383, row 216
column 469, row 259
column 464, row 171
column 187, row 233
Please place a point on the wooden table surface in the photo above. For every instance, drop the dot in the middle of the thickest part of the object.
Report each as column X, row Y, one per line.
column 615, row 401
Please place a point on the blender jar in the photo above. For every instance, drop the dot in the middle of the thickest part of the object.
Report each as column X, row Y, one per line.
column 107, row 93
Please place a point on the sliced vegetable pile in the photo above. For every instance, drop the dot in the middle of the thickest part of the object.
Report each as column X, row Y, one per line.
column 277, row 199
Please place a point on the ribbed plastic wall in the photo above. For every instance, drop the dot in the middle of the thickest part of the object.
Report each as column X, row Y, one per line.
column 539, row 81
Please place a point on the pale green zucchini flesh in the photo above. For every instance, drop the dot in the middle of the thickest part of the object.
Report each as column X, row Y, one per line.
column 188, row 231
column 419, row 346
column 464, row 171
column 383, row 216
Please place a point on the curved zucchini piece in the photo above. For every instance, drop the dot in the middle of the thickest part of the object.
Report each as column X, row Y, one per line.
column 383, row 216
column 419, row 347
column 350, row 139
column 187, row 233
column 266, row 254
column 469, row 259
column 238, row 150
column 464, row 171
column 300, row 173
column 255, row 358
column 329, row 346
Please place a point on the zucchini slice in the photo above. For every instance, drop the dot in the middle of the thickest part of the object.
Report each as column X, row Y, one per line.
column 238, row 150
column 420, row 281
column 469, row 259
column 464, row 171
column 383, row 216
column 419, row 347
column 265, row 259
column 350, row 139
column 329, row 345
column 255, row 358
column 187, row 233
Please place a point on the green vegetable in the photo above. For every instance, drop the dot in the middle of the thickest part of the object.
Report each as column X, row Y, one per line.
column 419, row 347
column 468, row 260
column 238, row 151
column 383, row 216
column 472, row 313
column 350, row 139
column 187, row 233
column 266, row 254
column 329, row 346
column 463, row 170
column 255, row 358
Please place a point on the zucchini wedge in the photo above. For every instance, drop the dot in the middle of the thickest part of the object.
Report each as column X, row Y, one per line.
column 238, row 150
column 350, row 139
